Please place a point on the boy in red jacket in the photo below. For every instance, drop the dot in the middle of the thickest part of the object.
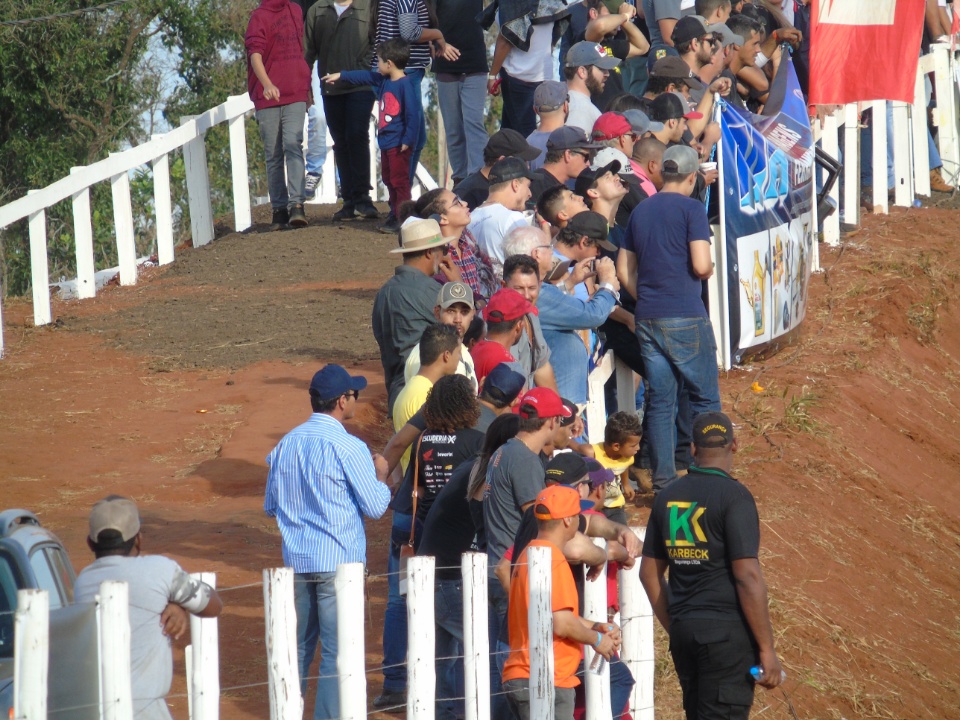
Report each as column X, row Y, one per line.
column 278, row 80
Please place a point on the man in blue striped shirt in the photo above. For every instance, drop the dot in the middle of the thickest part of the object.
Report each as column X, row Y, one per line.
column 321, row 484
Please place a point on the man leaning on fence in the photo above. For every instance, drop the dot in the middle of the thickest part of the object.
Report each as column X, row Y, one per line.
column 161, row 595
column 321, row 484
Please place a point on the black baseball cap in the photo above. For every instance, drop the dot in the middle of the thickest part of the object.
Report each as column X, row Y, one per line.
column 574, row 411
column 671, row 106
column 712, row 430
column 510, row 143
column 676, row 69
column 588, row 177
column 569, row 137
column 594, row 226
column 509, row 168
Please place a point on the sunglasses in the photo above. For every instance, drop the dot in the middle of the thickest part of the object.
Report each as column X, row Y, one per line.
column 355, row 394
column 582, row 153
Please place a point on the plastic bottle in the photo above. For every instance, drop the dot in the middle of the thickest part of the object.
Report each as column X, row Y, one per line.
column 597, row 664
column 756, row 672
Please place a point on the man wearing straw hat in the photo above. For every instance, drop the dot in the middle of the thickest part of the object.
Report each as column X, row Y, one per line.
column 404, row 306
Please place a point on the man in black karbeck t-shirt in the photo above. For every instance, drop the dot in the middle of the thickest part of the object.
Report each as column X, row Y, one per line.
column 704, row 527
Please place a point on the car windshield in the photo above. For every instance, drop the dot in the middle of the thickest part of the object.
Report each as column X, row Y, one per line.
column 10, row 581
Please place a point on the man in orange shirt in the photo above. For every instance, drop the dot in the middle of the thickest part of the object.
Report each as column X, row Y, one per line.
column 557, row 509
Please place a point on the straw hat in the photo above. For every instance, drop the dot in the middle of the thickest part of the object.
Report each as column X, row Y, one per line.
column 418, row 235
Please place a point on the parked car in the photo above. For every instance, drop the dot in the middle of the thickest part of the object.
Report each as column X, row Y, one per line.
column 33, row 557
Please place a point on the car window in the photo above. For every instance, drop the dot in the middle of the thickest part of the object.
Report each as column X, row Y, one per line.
column 46, row 579
column 10, row 581
column 62, row 568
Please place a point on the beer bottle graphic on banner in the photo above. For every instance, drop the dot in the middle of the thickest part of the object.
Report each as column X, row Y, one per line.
column 758, row 282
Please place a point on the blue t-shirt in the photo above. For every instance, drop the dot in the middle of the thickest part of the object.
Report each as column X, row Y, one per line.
column 398, row 112
column 660, row 231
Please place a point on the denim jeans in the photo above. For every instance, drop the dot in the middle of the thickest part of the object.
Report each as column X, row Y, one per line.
column 500, row 707
column 316, row 154
column 395, row 616
column 315, row 601
column 621, row 684
column 348, row 118
column 416, row 77
column 281, row 129
column 518, row 113
column 676, row 350
column 448, row 615
column 462, row 104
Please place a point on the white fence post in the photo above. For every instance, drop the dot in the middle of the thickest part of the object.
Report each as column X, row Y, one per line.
column 114, row 624
column 83, row 242
column 903, row 155
column 123, row 227
column 280, row 618
column 851, row 164
column 163, row 208
column 636, row 619
column 831, row 146
column 879, row 123
column 350, row 645
column 626, row 389
column 31, row 654
column 421, row 640
column 240, row 173
column 946, row 112
column 188, row 665
column 476, row 641
column 919, row 131
column 595, row 608
column 198, row 186
column 39, row 268
column 205, row 677
column 540, row 626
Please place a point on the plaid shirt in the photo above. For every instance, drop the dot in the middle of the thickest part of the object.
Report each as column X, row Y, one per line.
column 475, row 267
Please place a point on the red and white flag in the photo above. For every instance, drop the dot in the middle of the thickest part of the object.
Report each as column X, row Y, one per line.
column 864, row 50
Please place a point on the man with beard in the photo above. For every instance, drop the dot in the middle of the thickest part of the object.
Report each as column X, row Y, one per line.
column 586, row 72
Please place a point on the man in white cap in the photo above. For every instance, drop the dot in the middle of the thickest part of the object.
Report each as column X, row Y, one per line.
column 403, row 307
column 161, row 595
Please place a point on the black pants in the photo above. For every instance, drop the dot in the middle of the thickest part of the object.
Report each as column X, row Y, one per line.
column 713, row 660
column 518, row 113
column 348, row 117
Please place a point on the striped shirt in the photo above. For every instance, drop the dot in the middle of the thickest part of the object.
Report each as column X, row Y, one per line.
column 320, row 485
column 405, row 19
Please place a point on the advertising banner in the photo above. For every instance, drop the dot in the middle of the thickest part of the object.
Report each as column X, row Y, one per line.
column 767, row 214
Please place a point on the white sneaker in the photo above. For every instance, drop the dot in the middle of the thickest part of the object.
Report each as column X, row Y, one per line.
column 313, row 182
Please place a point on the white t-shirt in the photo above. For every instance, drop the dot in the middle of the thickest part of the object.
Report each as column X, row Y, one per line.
column 583, row 113
column 490, row 224
column 464, row 367
column 536, row 64
column 153, row 581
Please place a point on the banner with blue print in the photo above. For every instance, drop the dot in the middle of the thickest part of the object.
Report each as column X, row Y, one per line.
column 767, row 162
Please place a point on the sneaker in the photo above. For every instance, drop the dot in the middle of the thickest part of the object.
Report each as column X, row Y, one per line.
column 297, row 218
column 280, row 219
column 347, row 212
column 367, row 210
column 937, row 183
column 390, row 227
column 391, row 702
column 313, row 182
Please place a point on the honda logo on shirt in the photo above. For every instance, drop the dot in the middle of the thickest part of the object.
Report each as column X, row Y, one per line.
column 857, row 12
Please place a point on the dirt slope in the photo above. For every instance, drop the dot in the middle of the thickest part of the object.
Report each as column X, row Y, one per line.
column 173, row 391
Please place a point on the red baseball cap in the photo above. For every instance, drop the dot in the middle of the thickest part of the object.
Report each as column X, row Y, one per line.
column 541, row 403
column 506, row 305
column 610, row 126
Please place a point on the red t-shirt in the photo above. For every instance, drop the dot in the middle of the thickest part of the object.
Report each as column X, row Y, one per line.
column 486, row 356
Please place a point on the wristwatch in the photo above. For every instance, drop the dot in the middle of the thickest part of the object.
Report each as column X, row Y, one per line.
column 609, row 286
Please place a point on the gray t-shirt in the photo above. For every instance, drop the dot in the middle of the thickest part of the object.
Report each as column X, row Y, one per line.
column 487, row 416
column 515, row 476
column 655, row 10
column 531, row 356
column 153, row 581
column 583, row 113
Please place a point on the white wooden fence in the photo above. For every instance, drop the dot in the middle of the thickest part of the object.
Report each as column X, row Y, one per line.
column 155, row 153
column 286, row 703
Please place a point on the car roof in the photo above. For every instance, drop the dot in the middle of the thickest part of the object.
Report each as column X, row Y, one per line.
column 23, row 527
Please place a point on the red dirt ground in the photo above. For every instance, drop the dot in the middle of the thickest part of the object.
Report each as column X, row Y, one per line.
column 174, row 391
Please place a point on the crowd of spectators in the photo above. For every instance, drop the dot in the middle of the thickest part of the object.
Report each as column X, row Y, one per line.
column 582, row 224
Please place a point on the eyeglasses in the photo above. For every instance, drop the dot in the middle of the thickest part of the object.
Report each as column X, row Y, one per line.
column 633, row 136
column 709, row 39
column 355, row 394
column 456, row 202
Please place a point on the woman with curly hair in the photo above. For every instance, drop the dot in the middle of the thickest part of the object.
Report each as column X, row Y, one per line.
column 453, row 215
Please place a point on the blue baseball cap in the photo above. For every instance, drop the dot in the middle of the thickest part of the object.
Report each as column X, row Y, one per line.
column 333, row 381
column 504, row 383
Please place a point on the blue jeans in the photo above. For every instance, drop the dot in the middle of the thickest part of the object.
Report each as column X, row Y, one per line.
column 500, row 707
column 866, row 152
column 462, row 104
column 518, row 111
column 621, row 684
column 416, row 77
column 315, row 600
column 316, row 154
column 448, row 615
column 395, row 616
column 281, row 129
column 676, row 350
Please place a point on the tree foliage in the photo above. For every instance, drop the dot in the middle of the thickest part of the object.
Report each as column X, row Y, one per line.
column 74, row 89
